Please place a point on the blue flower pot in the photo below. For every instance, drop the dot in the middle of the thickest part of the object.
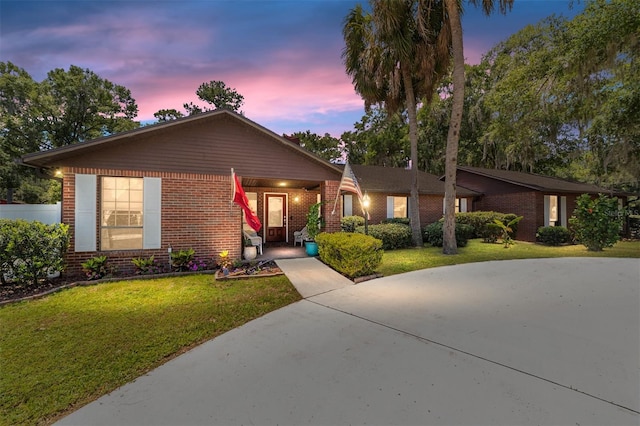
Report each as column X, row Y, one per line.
column 311, row 247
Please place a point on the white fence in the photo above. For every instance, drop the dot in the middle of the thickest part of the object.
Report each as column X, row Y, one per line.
column 45, row 213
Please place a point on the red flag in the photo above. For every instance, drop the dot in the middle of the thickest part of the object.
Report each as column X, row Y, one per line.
column 240, row 198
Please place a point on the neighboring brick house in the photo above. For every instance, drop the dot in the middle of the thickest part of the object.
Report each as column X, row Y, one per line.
column 389, row 190
column 541, row 200
column 136, row 193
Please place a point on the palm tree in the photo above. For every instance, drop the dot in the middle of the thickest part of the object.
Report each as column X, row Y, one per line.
column 454, row 9
column 396, row 55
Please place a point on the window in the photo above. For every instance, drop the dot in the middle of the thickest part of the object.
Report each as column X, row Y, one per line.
column 461, row 205
column 553, row 208
column 252, row 197
column 121, row 213
column 347, row 205
column 396, row 207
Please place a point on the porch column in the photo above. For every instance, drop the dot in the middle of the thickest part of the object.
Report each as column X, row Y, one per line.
column 332, row 221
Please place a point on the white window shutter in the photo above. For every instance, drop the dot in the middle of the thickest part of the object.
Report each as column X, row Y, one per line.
column 85, row 213
column 546, row 210
column 152, row 196
column 463, row 205
column 563, row 211
column 347, row 202
column 389, row 207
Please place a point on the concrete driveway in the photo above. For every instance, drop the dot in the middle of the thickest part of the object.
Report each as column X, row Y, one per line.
column 525, row 342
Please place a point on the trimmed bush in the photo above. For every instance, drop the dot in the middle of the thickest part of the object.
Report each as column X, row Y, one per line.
column 30, row 251
column 433, row 234
column 484, row 226
column 350, row 223
column 351, row 254
column 393, row 235
column 402, row 220
column 553, row 235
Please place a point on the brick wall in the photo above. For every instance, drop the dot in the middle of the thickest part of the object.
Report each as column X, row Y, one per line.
column 529, row 204
column 196, row 213
column 430, row 207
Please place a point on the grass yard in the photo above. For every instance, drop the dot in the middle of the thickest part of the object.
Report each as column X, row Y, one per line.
column 399, row 261
column 63, row 351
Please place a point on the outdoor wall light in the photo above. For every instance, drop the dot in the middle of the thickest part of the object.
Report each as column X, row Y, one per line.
column 296, row 199
column 366, row 202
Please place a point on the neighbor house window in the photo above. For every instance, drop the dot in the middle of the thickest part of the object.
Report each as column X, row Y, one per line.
column 121, row 213
column 555, row 210
column 461, row 205
column 396, row 207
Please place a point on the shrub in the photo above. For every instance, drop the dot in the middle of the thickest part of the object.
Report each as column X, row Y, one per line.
column 484, row 226
column 596, row 222
column 181, row 259
column 31, row 250
column 433, row 234
column 553, row 235
column 392, row 235
column 402, row 220
column 351, row 254
column 146, row 266
column 96, row 267
column 350, row 223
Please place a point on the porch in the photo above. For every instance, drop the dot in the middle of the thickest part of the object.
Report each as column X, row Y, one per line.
column 271, row 251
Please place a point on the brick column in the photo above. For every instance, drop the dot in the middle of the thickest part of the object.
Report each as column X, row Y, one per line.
column 332, row 221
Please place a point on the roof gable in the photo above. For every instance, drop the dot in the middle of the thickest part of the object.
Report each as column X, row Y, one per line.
column 208, row 143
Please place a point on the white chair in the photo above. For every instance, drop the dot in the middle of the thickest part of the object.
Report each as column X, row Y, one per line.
column 256, row 240
column 300, row 236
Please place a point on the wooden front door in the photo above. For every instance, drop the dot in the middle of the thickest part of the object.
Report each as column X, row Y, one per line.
column 276, row 227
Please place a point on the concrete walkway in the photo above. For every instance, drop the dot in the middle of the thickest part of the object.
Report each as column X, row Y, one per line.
column 312, row 277
column 526, row 342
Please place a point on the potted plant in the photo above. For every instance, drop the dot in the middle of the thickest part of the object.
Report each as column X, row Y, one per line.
column 314, row 224
column 250, row 251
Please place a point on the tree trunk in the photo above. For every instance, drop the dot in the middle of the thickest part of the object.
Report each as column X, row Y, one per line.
column 414, row 203
column 449, row 245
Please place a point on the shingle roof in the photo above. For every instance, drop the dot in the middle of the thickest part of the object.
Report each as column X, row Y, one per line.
column 536, row 182
column 396, row 180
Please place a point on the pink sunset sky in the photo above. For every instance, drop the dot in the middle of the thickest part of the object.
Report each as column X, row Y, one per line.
column 284, row 57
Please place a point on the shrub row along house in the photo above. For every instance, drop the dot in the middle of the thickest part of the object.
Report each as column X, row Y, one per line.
column 138, row 193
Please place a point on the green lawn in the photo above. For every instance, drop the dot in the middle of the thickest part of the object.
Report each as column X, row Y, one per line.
column 399, row 261
column 62, row 351
column 65, row 350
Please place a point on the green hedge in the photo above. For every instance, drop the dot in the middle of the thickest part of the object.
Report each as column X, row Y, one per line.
column 29, row 251
column 393, row 235
column 553, row 235
column 484, row 226
column 433, row 234
column 350, row 223
column 351, row 254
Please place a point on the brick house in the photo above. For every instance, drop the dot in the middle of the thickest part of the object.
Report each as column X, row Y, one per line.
column 136, row 193
column 389, row 190
column 541, row 200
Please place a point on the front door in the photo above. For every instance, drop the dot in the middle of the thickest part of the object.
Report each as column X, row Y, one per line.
column 276, row 229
